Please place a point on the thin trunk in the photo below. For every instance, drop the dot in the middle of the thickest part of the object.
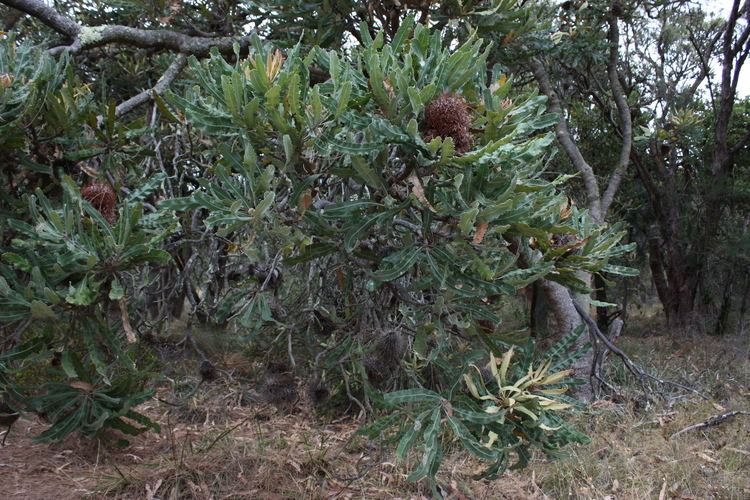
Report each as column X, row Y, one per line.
column 625, row 301
column 567, row 318
column 560, row 299
column 726, row 307
column 600, row 293
column 657, row 269
column 539, row 313
column 743, row 306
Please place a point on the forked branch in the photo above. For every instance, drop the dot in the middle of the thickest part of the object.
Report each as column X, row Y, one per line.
column 639, row 373
column 162, row 85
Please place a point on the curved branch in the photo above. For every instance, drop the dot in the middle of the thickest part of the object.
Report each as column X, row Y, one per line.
column 624, row 111
column 97, row 36
column 163, row 84
column 565, row 138
column 88, row 37
column 47, row 15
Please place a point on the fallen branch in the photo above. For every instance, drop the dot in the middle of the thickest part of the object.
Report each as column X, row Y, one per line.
column 637, row 371
column 711, row 422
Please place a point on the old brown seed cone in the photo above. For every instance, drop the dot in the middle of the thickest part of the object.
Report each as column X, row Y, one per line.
column 279, row 386
column 573, row 242
column 448, row 116
column 102, row 197
column 383, row 355
column 318, row 390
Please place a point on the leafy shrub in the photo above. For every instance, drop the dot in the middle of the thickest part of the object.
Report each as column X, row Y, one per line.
column 402, row 245
column 502, row 409
column 376, row 222
column 69, row 267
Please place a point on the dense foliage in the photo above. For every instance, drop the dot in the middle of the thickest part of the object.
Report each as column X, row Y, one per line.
column 358, row 201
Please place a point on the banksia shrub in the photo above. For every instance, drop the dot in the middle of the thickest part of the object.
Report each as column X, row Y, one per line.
column 102, row 196
column 448, row 116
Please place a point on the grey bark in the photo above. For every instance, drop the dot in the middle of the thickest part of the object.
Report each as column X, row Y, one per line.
column 567, row 319
column 561, row 300
column 87, row 37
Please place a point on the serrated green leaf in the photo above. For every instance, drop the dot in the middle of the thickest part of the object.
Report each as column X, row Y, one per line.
column 411, row 396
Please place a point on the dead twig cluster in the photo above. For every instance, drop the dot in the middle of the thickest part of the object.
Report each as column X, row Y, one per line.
column 603, row 345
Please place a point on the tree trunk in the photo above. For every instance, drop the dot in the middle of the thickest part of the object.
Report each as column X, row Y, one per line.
column 600, row 293
column 567, row 318
column 675, row 286
column 539, row 313
column 598, row 202
column 743, row 305
column 726, row 307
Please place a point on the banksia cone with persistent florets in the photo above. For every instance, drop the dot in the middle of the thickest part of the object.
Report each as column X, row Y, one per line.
column 448, row 116
column 383, row 359
column 279, row 386
column 103, row 198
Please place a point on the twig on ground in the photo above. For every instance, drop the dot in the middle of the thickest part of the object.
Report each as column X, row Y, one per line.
column 711, row 422
column 224, row 434
column 633, row 368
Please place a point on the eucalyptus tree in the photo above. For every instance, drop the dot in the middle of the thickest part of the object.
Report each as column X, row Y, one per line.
column 662, row 78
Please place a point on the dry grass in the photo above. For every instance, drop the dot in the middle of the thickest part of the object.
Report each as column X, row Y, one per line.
column 217, row 447
column 632, row 454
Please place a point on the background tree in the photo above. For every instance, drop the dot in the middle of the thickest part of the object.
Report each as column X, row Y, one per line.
column 668, row 92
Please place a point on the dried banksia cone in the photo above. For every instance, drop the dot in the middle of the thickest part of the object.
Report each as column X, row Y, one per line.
column 102, row 197
column 318, row 390
column 279, row 386
column 207, row 370
column 448, row 116
column 383, row 357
